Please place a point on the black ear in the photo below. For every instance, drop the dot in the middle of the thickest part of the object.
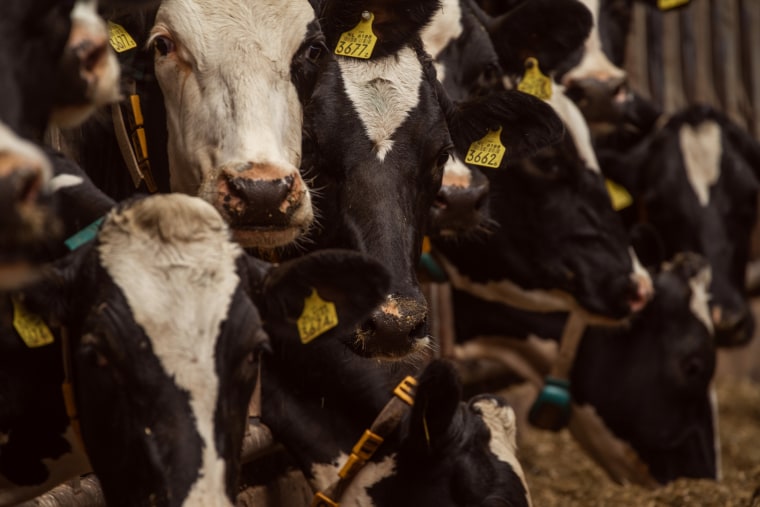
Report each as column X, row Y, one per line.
column 57, row 295
column 528, row 124
column 436, row 403
column 548, row 30
column 396, row 22
column 354, row 283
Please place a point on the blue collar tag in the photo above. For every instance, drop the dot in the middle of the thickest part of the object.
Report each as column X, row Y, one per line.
column 85, row 235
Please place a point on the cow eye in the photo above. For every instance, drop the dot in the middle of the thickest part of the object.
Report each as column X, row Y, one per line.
column 314, row 51
column 163, row 45
column 443, row 157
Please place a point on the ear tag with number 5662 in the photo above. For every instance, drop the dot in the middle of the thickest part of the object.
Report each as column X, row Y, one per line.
column 359, row 42
column 488, row 151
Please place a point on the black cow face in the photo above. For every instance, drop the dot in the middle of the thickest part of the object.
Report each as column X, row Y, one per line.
column 695, row 182
column 558, row 237
column 165, row 340
column 650, row 382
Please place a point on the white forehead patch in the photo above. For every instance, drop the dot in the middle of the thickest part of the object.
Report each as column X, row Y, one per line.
column 576, row 125
column 594, row 64
column 383, row 93
column 699, row 304
column 445, row 27
column 702, row 150
column 355, row 494
column 172, row 258
column 502, row 424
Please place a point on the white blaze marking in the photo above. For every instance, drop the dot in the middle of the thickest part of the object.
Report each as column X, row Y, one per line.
column 64, row 181
column 702, row 150
column 383, row 93
column 576, row 125
column 699, row 304
column 594, row 63
column 178, row 277
column 355, row 494
column 445, row 27
column 502, row 425
column 230, row 100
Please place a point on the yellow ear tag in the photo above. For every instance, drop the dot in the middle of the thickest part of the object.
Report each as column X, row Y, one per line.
column 30, row 327
column 358, row 42
column 426, row 248
column 666, row 5
column 119, row 38
column 620, row 197
column 487, row 152
column 534, row 81
column 318, row 317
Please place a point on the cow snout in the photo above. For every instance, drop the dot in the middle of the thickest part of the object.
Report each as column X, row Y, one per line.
column 640, row 292
column 458, row 208
column 89, row 71
column 264, row 205
column 733, row 328
column 396, row 329
column 20, row 179
column 600, row 98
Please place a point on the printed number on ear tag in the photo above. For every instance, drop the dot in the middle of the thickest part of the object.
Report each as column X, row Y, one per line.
column 487, row 152
column 535, row 82
column 620, row 197
column 666, row 5
column 119, row 38
column 33, row 331
column 359, row 42
column 318, row 317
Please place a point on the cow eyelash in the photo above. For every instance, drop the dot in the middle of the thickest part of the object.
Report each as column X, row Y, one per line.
column 163, row 45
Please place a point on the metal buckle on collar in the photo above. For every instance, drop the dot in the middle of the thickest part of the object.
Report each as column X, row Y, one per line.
column 362, row 451
column 405, row 390
column 322, row 500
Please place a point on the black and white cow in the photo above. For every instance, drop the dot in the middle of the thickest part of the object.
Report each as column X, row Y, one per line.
column 164, row 338
column 444, row 452
column 695, row 181
column 377, row 135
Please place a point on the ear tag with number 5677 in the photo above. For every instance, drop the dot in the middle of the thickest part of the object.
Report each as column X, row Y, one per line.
column 119, row 38
column 318, row 317
column 488, row 151
column 359, row 42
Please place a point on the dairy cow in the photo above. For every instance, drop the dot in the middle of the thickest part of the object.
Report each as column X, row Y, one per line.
column 162, row 348
column 695, row 182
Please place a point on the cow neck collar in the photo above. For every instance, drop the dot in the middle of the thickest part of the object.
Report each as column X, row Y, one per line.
column 129, row 128
column 384, row 424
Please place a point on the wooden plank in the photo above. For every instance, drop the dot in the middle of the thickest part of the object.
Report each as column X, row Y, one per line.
column 750, row 45
column 636, row 53
column 704, row 84
column 655, row 60
column 674, row 98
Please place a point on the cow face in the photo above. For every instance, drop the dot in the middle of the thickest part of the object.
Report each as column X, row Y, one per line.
column 239, row 145
column 455, row 454
column 696, row 185
column 650, row 382
column 164, row 345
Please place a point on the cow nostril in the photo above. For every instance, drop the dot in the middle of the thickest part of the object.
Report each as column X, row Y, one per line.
column 441, row 202
column 93, row 57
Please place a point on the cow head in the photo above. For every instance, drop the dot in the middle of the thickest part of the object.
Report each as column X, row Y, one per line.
column 651, row 385
column 378, row 133
column 239, row 145
column 695, row 181
column 165, row 341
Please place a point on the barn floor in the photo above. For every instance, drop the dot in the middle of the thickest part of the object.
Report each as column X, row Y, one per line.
column 560, row 474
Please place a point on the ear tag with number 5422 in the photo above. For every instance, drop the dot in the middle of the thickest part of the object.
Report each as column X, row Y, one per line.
column 359, row 42
column 488, row 151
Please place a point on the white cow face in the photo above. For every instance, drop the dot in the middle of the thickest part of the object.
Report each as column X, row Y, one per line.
column 226, row 68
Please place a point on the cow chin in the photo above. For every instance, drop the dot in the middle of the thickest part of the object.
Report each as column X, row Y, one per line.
column 417, row 350
column 262, row 237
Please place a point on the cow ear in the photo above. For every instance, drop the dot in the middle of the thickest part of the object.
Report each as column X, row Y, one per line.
column 435, row 406
column 548, row 30
column 527, row 123
column 335, row 287
column 55, row 295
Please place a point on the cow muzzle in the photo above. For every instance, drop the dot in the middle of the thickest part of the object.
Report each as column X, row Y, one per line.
column 733, row 328
column 397, row 329
column 264, row 205
column 460, row 208
column 600, row 98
